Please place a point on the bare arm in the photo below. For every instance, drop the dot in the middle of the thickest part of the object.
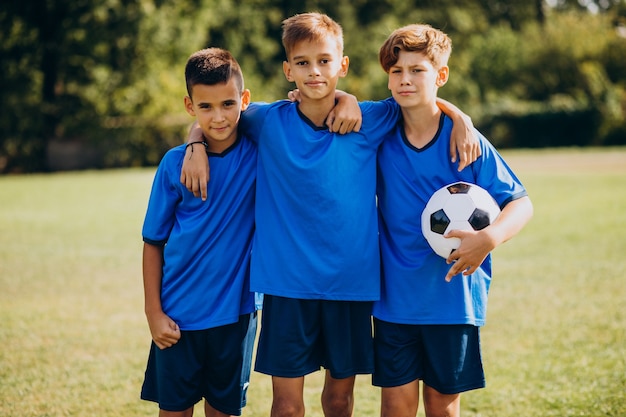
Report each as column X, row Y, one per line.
column 463, row 140
column 195, row 171
column 346, row 115
column 475, row 245
column 164, row 330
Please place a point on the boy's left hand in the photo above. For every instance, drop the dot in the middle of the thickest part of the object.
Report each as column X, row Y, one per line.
column 474, row 248
column 345, row 117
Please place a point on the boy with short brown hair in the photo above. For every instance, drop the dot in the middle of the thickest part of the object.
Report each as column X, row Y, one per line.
column 426, row 323
column 198, row 303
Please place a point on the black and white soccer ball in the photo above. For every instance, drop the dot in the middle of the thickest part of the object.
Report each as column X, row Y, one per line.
column 457, row 206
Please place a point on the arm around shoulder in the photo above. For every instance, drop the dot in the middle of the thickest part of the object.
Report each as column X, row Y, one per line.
column 195, row 171
column 463, row 140
column 346, row 115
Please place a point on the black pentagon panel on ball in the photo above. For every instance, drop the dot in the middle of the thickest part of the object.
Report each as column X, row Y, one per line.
column 479, row 219
column 459, row 188
column 439, row 222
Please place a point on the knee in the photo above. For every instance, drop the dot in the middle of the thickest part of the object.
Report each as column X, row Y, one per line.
column 389, row 410
column 337, row 405
column 287, row 409
column 441, row 405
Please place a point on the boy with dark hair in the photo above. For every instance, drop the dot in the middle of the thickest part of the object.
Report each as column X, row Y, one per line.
column 196, row 256
column 315, row 252
column 426, row 323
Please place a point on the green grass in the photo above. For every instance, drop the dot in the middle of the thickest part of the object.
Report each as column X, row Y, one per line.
column 74, row 340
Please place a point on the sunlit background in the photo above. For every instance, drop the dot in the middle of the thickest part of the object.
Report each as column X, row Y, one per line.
column 99, row 83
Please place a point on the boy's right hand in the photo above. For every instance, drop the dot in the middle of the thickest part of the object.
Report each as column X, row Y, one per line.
column 165, row 332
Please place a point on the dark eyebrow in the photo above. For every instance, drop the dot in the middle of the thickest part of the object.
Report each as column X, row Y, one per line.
column 317, row 57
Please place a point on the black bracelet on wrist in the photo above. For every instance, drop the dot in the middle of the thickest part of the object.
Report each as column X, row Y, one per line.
column 206, row 145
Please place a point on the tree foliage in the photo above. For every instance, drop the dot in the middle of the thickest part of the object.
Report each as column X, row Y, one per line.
column 105, row 77
column 53, row 53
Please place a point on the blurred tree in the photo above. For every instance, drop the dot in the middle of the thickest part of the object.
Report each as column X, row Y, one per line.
column 108, row 74
column 592, row 6
column 51, row 51
column 250, row 29
column 549, row 86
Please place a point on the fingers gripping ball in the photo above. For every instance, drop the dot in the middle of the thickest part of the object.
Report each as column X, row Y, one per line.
column 457, row 206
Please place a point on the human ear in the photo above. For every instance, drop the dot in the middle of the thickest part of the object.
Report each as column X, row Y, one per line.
column 189, row 106
column 345, row 63
column 442, row 76
column 287, row 71
column 245, row 99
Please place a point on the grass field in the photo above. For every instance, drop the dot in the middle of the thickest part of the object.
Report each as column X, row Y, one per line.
column 73, row 337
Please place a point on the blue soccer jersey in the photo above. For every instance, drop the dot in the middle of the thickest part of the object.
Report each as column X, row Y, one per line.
column 206, row 275
column 414, row 290
column 316, row 220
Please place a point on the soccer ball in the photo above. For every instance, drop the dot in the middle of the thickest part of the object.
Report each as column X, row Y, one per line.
column 457, row 206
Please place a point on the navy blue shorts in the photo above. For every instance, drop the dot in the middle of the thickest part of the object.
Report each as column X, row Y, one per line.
column 213, row 364
column 299, row 337
column 445, row 357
